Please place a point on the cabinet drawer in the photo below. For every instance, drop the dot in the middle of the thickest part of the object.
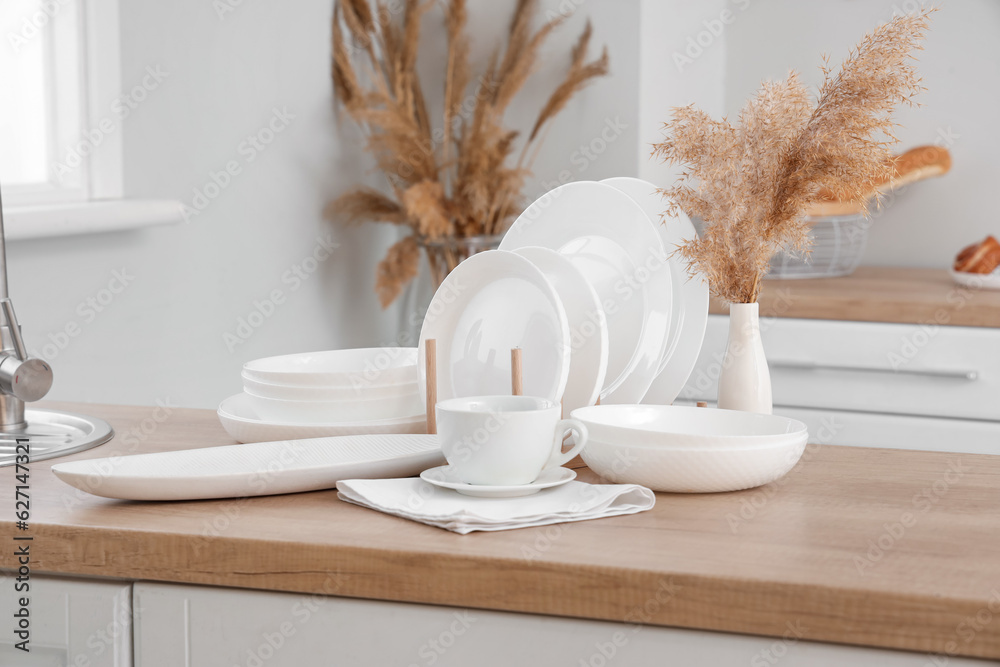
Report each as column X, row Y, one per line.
column 871, row 367
column 73, row 622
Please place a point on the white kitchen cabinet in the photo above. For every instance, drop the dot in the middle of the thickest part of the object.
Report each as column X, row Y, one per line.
column 74, row 623
column 874, row 384
column 194, row 626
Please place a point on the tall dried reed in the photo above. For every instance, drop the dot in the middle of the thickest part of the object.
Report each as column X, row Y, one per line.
column 751, row 182
column 460, row 179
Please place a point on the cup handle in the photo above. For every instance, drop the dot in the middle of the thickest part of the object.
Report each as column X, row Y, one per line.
column 559, row 457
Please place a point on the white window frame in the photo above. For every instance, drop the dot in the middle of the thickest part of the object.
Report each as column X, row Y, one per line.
column 85, row 56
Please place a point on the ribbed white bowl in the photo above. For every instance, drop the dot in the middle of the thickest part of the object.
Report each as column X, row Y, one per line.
column 678, row 427
column 242, row 422
column 362, row 367
column 326, row 412
column 289, row 392
column 692, row 470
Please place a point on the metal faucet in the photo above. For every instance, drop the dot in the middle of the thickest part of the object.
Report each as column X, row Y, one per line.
column 22, row 378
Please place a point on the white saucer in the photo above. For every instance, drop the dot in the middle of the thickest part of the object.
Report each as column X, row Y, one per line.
column 976, row 280
column 443, row 477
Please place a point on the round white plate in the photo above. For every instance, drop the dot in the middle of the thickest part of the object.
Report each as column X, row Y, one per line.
column 977, row 280
column 444, row 477
column 491, row 303
column 588, row 328
column 258, row 469
column 610, row 239
column 241, row 422
column 690, row 314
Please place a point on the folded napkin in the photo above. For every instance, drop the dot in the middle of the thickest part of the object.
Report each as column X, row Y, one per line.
column 413, row 498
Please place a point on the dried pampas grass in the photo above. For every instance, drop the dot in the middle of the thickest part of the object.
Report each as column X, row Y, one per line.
column 463, row 178
column 751, row 182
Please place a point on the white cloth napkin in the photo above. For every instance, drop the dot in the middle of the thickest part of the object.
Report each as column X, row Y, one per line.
column 413, row 498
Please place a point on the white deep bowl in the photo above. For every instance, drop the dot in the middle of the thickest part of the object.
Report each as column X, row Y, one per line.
column 327, row 412
column 692, row 470
column 291, row 392
column 678, row 427
column 362, row 367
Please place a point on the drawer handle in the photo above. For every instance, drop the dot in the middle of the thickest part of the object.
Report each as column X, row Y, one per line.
column 926, row 372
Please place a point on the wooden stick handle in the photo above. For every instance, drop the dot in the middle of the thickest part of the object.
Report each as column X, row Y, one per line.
column 516, row 373
column 430, row 367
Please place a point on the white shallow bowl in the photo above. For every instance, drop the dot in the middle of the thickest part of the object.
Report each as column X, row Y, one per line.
column 362, row 367
column 290, row 392
column 680, row 427
column 326, row 412
column 243, row 424
column 692, row 470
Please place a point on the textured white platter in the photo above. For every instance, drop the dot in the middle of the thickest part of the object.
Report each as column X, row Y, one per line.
column 491, row 303
column 241, row 421
column 690, row 303
column 611, row 240
column 258, row 469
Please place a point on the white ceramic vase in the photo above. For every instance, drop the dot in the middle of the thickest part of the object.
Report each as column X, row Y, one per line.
column 745, row 382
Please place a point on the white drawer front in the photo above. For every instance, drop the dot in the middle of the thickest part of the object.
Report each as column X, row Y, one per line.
column 872, row 367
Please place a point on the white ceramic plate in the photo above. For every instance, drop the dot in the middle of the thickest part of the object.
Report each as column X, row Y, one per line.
column 372, row 366
column 259, row 469
column 611, row 240
column 491, row 303
column 444, row 477
column 588, row 328
column 977, row 280
column 690, row 303
column 241, row 421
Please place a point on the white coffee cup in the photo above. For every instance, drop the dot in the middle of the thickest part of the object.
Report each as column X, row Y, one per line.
column 504, row 440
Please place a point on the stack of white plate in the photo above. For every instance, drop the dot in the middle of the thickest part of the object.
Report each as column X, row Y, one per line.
column 318, row 394
column 586, row 285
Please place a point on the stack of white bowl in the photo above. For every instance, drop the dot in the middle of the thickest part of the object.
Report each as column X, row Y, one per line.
column 367, row 385
column 689, row 450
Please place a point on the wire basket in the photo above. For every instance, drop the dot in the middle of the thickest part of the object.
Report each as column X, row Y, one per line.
column 838, row 243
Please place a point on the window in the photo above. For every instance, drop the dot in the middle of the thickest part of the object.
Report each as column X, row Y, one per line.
column 60, row 143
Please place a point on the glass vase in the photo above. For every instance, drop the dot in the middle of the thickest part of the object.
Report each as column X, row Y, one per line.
column 445, row 254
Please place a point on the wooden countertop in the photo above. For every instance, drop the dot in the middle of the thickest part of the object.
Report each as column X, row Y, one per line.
column 888, row 548
column 881, row 294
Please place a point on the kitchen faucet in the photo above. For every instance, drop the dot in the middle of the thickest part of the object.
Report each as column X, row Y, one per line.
column 22, row 378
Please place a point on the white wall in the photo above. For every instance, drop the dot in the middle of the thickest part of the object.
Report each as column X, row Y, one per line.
column 932, row 220
column 162, row 337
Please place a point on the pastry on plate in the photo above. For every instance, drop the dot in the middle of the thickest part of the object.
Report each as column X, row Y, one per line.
column 982, row 257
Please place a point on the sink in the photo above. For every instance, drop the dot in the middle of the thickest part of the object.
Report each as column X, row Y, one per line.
column 52, row 434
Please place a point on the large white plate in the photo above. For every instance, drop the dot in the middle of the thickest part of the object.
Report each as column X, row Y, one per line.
column 976, row 280
column 258, row 469
column 588, row 328
column 240, row 420
column 610, row 239
column 489, row 304
column 690, row 314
